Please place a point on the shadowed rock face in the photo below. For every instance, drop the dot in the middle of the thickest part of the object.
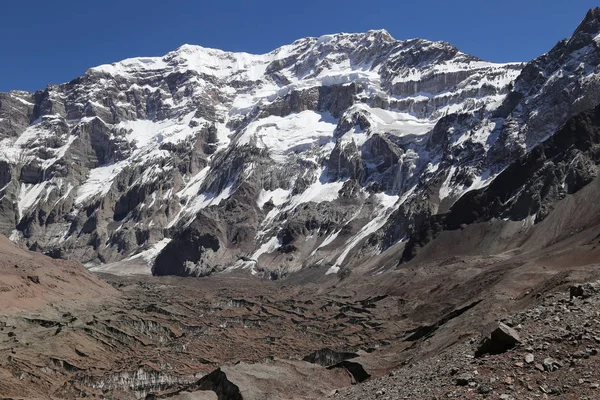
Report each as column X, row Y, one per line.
column 189, row 247
column 531, row 186
column 355, row 369
column 501, row 339
column 217, row 382
column 328, row 357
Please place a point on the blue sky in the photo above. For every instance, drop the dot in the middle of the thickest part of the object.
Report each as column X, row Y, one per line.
column 55, row 41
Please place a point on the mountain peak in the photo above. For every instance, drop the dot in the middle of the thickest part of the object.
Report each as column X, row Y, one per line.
column 591, row 22
column 374, row 34
column 587, row 31
column 383, row 33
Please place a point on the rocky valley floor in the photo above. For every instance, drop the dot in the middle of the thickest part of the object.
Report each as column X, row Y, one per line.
column 408, row 331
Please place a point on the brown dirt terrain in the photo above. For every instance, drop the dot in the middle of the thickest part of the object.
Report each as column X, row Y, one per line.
column 233, row 336
column 30, row 281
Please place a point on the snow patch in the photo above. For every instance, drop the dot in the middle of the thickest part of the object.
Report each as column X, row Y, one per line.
column 268, row 247
column 99, row 181
column 150, row 255
column 318, row 192
column 292, row 134
column 278, row 197
column 30, row 195
column 446, row 188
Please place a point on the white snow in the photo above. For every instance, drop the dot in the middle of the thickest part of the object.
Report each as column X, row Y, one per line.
column 386, row 200
column 328, row 240
column 146, row 132
column 150, row 255
column 318, row 192
column 266, row 248
column 15, row 235
column 482, row 180
column 131, row 65
column 200, row 202
column 193, row 186
column 371, row 227
column 132, row 265
column 355, row 135
column 278, row 197
column 30, row 195
column 396, row 123
column 294, row 133
column 99, row 181
column 446, row 188
column 387, row 204
column 324, row 39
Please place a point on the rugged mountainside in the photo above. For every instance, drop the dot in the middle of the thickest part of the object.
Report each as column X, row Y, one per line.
column 278, row 159
column 564, row 161
column 441, row 194
column 318, row 154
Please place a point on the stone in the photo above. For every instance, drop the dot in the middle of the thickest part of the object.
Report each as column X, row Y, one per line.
column 550, row 364
column 463, row 379
column 501, row 339
column 539, row 367
column 484, row 389
column 529, row 358
column 582, row 291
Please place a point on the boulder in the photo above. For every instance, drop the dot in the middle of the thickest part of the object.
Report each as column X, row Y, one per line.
column 582, row 291
column 464, row 379
column 501, row 339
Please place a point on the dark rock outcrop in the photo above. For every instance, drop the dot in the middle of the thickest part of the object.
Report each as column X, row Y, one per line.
column 501, row 339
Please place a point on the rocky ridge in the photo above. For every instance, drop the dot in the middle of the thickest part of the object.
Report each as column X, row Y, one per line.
column 321, row 153
column 214, row 150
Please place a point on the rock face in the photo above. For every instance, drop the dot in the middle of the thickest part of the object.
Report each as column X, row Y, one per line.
column 318, row 154
column 529, row 188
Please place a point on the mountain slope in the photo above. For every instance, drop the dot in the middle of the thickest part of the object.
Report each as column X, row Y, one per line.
column 564, row 159
column 319, row 133
column 318, row 154
column 30, row 281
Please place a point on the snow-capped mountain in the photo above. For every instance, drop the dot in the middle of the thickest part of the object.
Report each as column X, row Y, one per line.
column 317, row 154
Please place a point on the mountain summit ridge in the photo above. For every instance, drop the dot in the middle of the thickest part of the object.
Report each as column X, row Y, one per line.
column 317, row 154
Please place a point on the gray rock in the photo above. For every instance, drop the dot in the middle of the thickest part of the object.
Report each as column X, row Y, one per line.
column 463, row 379
column 501, row 339
column 583, row 291
column 529, row 358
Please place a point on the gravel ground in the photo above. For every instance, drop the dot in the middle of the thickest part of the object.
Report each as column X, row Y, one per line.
column 557, row 358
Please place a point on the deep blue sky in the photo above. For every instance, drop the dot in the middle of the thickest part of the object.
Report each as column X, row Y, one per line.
column 55, row 41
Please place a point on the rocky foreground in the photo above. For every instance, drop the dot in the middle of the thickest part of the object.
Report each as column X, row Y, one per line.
column 555, row 355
